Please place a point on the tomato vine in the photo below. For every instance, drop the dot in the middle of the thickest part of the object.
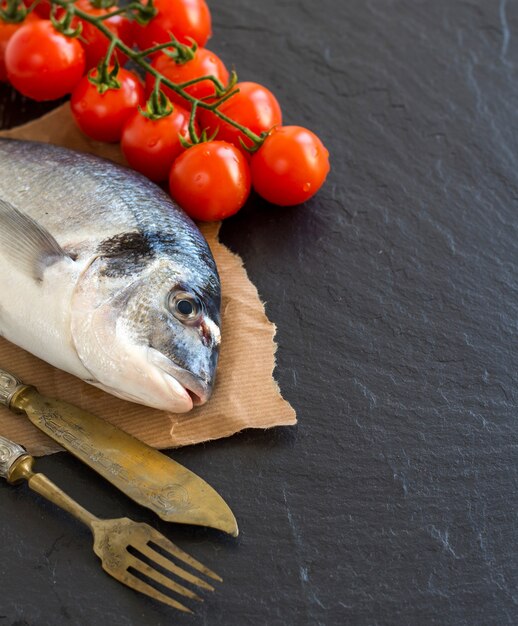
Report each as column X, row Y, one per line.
column 191, row 119
column 142, row 12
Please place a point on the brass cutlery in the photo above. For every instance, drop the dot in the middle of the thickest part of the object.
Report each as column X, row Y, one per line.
column 114, row 538
column 144, row 474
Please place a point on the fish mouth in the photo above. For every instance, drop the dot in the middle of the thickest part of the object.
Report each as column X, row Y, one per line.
column 193, row 386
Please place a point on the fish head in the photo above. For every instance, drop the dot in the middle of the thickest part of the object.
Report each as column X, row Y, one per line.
column 175, row 317
column 151, row 334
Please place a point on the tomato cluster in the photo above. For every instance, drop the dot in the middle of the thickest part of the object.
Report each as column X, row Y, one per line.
column 189, row 122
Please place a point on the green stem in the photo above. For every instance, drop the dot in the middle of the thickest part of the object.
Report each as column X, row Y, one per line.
column 141, row 62
column 155, row 94
column 105, row 78
column 200, row 79
column 109, row 53
column 224, row 98
column 102, row 4
column 149, row 51
column 103, row 18
column 192, row 128
column 33, row 5
column 13, row 12
column 158, row 105
column 133, row 6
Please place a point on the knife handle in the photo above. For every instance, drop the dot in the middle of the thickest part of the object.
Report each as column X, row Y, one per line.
column 9, row 385
column 10, row 452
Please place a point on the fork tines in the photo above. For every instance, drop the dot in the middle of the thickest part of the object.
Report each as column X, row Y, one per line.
column 141, row 560
column 144, row 568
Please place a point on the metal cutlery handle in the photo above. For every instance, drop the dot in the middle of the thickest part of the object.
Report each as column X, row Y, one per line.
column 117, row 542
column 10, row 452
column 9, row 385
column 16, row 465
column 145, row 475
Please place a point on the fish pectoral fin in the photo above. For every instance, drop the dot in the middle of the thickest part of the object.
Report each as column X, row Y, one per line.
column 27, row 242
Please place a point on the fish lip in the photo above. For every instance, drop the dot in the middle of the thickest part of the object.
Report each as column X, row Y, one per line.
column 198, row 390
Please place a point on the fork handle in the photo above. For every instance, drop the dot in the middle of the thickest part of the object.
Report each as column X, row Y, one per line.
column 16, row 466
column 10, row 452
column 46, row 488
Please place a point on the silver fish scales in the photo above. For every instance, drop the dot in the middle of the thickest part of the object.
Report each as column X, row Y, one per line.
column 103, row 276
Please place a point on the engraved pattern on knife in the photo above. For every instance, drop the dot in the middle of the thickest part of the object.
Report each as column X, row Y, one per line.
column 171, row 497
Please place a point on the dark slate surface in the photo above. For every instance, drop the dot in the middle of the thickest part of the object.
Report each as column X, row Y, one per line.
column 395, row 293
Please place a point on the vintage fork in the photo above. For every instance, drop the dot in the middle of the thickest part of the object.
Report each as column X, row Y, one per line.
column 113, row 537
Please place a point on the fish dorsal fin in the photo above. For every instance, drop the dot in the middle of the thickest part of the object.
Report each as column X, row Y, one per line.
column 31, row 246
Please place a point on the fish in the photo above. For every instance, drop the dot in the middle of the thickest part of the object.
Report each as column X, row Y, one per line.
column 103, row 276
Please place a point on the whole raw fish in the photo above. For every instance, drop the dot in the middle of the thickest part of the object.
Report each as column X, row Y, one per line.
column 103, row 276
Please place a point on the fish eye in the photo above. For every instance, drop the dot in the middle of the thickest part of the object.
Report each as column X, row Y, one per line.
column 184, row 306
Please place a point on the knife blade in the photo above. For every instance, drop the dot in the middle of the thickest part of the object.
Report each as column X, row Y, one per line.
column 147, row 476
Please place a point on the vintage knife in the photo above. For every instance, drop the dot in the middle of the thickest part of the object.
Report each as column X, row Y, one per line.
column 144, row 474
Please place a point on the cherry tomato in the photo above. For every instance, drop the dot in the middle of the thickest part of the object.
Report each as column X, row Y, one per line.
column 7, row 30
column 42, row 9
column 290, row 167
column 254, row 107
column 151, row 146
column 42, row 63
column 95, row 43
column 183, row 18
column 210, row 181
column 204, row 62
column 102, row 116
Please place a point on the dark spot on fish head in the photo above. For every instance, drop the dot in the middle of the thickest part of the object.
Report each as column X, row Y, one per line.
column 125, row 253
column 169, row 296
column 130, row 243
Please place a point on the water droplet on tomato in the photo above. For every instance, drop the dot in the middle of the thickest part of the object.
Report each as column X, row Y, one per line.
column 306, row 186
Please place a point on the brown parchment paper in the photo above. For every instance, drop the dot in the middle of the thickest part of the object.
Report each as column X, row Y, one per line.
column 245, row 395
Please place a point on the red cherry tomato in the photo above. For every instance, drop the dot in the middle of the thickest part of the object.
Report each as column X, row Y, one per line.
column 183, row 18
column 42, row 9
column 210, row 181
column 102, row 116
column 204, row 62
column 7, row 30
column 254, row 107
column 42, row 63
column 290, row 167
column 151, row 146
column 96, row 44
